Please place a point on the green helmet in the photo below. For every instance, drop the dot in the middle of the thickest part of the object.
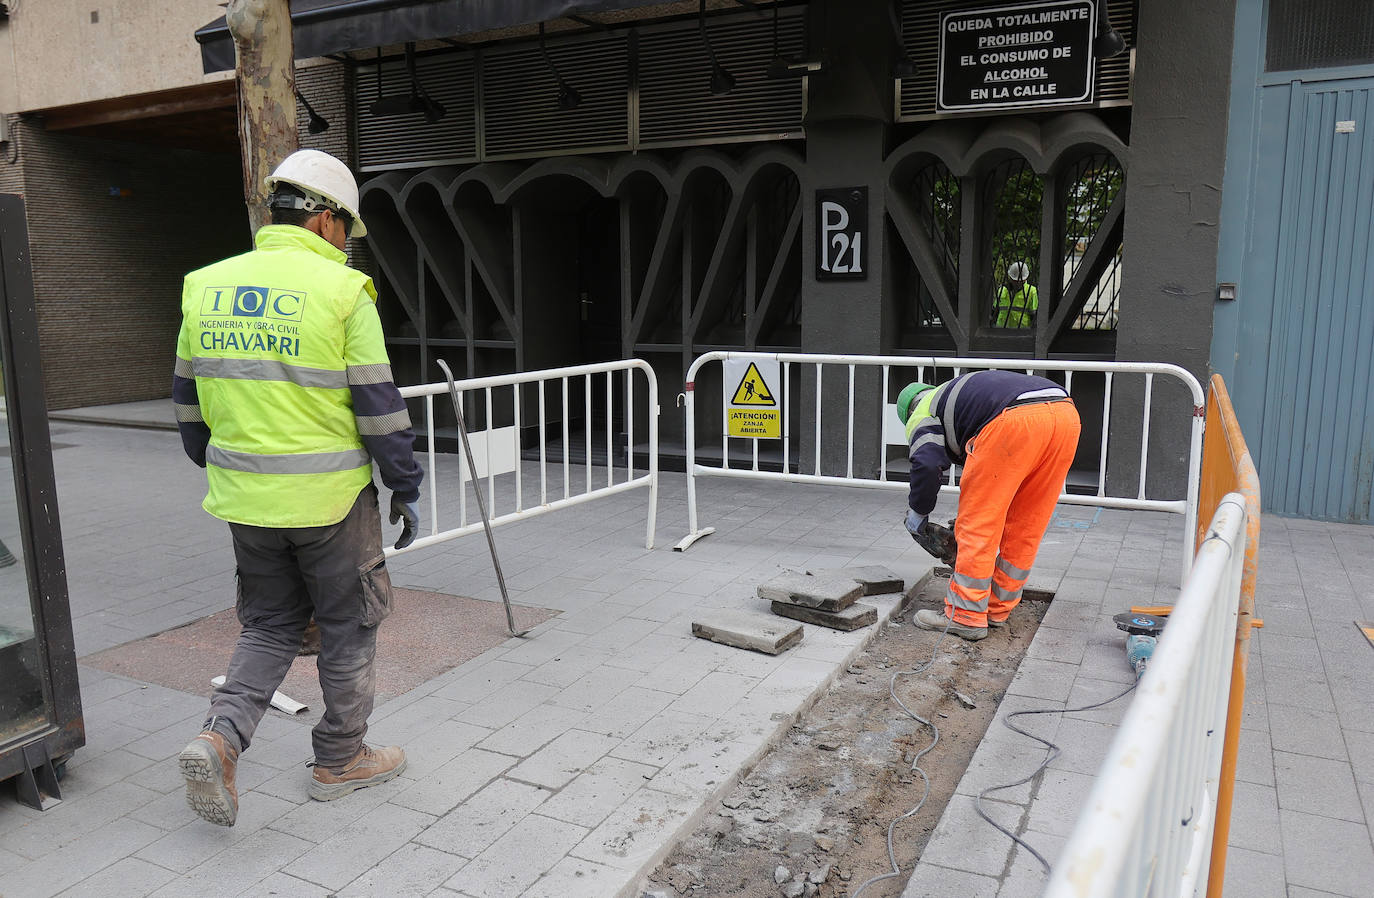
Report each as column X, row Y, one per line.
column 906, row 400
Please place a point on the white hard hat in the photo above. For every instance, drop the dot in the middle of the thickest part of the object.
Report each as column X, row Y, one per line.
column 321, row 177
column 1018, row 271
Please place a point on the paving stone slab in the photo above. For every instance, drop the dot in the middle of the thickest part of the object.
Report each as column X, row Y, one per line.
column 876, row 579
column 827, row 591
column 851, row 618
column 748, row 630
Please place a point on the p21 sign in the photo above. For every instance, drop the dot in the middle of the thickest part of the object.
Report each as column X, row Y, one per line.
column 841, row 247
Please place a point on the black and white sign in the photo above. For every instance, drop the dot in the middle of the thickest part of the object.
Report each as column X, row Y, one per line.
column 1017, row 57
column 841, row 244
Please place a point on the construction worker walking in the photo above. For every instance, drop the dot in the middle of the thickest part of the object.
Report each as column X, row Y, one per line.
column 1015, row 436
column 284, row 394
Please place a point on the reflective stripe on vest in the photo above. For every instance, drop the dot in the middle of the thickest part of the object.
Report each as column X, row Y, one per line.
column 362, row 375
column 269, row 369
column 951, row 437
column 381, row 425
column 304, row 463
column 187, row 414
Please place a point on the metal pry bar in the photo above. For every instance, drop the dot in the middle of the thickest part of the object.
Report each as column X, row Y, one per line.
column 481, row 501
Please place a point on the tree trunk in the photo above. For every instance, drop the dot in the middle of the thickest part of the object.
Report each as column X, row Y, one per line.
column 267, row 94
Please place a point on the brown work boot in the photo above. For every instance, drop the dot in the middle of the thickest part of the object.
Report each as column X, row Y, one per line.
column 369, row 767
column 997, row 624
column 208, row 764
column 930, row 619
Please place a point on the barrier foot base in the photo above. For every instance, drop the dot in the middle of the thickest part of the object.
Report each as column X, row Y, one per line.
column 693, row 537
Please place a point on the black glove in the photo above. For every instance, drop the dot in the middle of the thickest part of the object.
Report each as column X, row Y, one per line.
column 938, row 541
column 408, row 511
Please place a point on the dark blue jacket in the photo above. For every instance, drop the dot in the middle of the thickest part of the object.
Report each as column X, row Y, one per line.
column 959, row 411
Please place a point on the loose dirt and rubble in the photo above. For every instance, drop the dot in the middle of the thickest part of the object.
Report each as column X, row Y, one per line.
column 810, row 820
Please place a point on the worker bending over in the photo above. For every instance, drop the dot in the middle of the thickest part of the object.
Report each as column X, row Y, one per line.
column 284, row 394
column 1015, row 436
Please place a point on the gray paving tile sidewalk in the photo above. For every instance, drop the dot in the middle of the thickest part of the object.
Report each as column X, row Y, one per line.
column 566, row 764
column 1304, row 798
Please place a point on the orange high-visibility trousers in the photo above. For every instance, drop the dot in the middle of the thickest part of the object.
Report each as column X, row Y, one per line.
column 1012, row 479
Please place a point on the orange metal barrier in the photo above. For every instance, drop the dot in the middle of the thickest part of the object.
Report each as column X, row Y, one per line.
column 1227, row 467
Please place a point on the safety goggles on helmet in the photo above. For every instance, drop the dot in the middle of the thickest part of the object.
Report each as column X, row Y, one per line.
column 311, row 203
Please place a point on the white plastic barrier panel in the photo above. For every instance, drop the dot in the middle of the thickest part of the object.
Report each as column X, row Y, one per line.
column 1146, row 829
column 549, row 401
column 819, row 370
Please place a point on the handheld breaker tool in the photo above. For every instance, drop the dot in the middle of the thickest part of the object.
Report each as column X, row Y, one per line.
column 939, row 541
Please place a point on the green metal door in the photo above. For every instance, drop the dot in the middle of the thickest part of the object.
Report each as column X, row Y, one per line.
column 1306, row 317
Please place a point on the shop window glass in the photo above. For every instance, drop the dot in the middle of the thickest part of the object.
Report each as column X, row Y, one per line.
column 22, row 705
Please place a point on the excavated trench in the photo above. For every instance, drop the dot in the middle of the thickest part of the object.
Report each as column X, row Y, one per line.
column 817, row 807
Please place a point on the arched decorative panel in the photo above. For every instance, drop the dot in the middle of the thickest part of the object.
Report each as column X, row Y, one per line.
column 968, row 206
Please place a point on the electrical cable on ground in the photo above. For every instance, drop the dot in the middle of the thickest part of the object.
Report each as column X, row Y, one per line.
column 915, row 762
column 1054, row 752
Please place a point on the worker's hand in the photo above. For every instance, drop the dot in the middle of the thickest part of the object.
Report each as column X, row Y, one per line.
column 914, row 522
column 410, row 512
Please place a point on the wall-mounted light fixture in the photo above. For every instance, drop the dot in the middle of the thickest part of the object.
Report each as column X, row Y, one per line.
column 1226, row 292
column 785, row 66
column 905, row 66
column 1109, row 41
column 722, row 82
column 418, row 100
column 318, row 122
column 568, row 97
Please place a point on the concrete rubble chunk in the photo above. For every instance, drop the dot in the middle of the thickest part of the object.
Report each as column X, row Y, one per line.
column 828, row 591
column 875, row 579
column 781, row 874
column 747, row 630
column 851, row 618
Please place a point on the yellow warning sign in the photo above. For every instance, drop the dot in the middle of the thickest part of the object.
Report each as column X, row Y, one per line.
column 753, row 410
column 764, row 424
column 753, row 389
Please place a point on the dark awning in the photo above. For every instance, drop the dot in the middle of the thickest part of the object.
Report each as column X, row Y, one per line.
column 322, row 27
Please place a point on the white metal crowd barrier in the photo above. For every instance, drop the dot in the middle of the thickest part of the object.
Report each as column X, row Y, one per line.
column 915, row 369
column 562, row 482
column 1147, row 826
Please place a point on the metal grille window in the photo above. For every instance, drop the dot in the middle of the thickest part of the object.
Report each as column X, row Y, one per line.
column 1310, row 34
column 1090, row 187
column 937, row 191
column 1013, row 194
column 1103, row 298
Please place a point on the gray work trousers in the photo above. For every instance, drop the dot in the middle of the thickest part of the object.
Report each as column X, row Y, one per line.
column 338, row 574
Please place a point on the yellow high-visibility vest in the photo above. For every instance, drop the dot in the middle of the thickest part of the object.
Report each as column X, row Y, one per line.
column 273, row 338
column 1017, row 309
